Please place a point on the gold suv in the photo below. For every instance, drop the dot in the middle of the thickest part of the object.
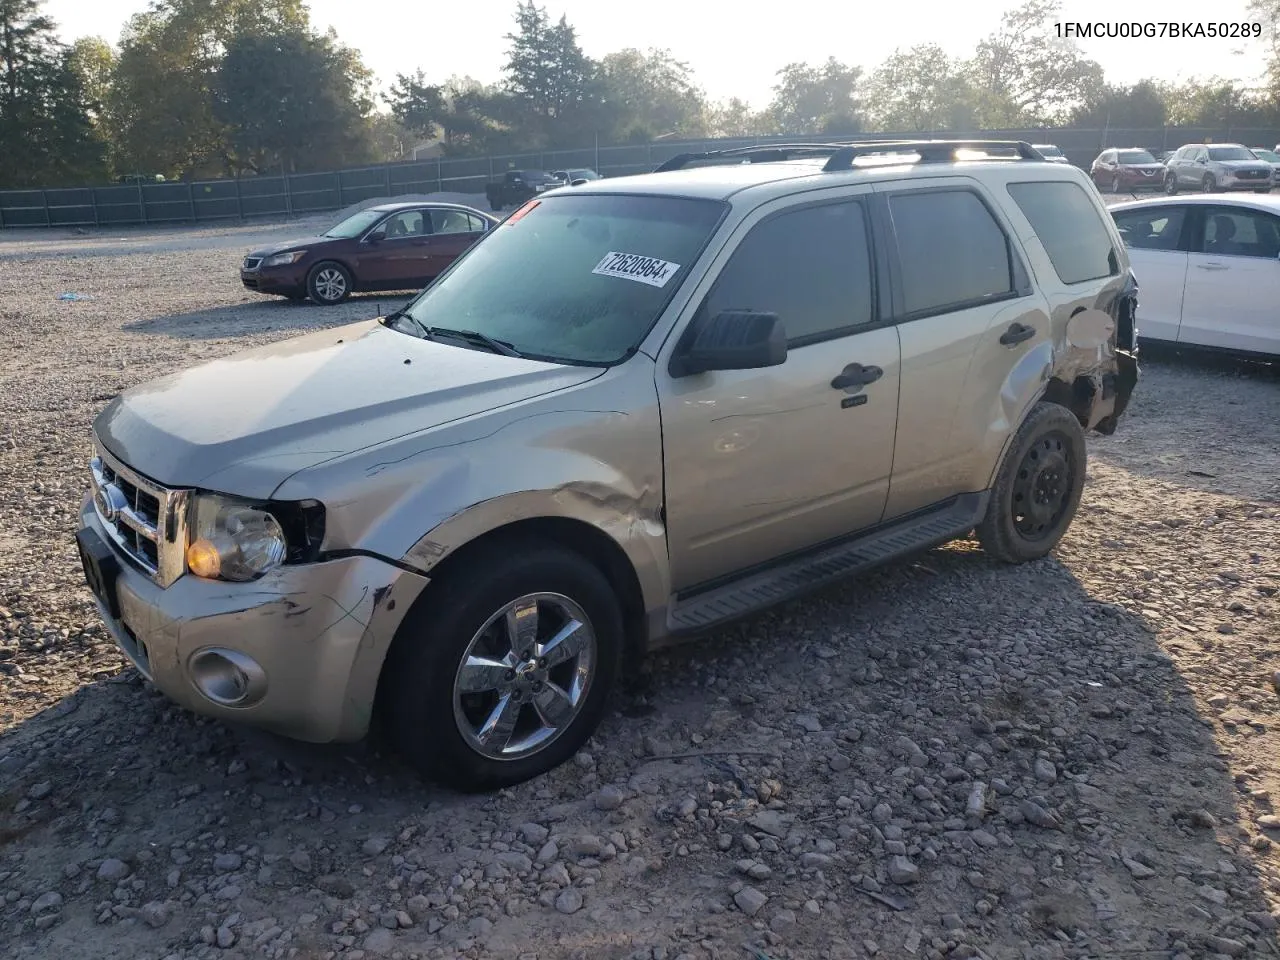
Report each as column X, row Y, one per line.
column 637, row 409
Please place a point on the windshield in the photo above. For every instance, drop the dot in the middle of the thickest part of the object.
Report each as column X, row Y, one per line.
column 355, row 225
column 574, row 279
column 532, row 175
column 1135, row 156
column 583, row 175
column 1229, row 153
column 1049, row 151
column 1268, row 155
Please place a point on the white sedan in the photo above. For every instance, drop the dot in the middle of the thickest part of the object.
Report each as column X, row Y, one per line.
column 1208, row 270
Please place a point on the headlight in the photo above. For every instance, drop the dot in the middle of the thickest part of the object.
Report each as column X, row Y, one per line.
column 284, row 259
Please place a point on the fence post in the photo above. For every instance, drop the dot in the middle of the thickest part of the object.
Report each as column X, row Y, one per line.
column 386, row 172
column 439, row 175
column 288, row 191
column 48, row 217
column 142, row 203
column 191, row 201
column 239, row 200
column 1, row 212
column 93, row 199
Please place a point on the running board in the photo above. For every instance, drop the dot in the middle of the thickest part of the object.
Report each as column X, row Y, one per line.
column 754, row 592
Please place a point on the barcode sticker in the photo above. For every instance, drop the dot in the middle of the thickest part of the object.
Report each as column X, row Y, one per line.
column 632, row 266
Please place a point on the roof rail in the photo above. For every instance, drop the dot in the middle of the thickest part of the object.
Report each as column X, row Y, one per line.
column 761, row 153
column 929, row 151
column 842, row 155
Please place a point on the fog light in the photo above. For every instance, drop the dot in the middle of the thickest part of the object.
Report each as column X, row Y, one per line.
column 228, row 678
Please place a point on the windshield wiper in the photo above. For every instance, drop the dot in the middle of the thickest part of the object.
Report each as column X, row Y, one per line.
column 470, row 336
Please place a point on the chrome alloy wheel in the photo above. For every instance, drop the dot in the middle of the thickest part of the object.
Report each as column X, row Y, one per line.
column 524, row 677
column 330, row 284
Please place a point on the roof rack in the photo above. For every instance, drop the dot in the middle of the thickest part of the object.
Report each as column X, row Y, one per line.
column 842, row 155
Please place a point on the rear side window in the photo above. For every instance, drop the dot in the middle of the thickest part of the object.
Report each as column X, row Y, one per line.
column 1070, row 229
column 952, row 251
column 812, row 267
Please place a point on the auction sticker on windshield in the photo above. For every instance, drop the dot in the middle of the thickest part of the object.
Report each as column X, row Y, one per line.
column 632, row 266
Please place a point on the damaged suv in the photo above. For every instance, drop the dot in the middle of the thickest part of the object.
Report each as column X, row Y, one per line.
column 636, row 410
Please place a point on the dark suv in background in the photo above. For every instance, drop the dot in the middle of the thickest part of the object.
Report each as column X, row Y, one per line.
column 1127, row 169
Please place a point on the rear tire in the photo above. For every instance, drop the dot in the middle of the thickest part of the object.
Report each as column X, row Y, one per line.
column 329, row 283
column 1038, row 488
column 485, row 727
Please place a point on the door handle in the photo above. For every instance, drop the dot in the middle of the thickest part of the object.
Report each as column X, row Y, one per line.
column 856, row 375
column 1211, row 266
column 1016, row 333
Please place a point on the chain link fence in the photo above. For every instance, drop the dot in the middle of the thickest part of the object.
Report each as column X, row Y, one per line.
column 209, row 201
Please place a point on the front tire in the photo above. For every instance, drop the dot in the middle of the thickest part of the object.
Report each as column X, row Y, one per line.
column 1208, row 184
column 1171, row 185
column 329, row 283
column 1115, row 184
column 1038, row 488
column 505, row 671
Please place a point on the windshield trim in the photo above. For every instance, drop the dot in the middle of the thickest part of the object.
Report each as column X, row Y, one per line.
column 1150, row 157
column 658, row 314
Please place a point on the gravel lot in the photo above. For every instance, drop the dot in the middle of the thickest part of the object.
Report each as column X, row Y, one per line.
column 1073, row 758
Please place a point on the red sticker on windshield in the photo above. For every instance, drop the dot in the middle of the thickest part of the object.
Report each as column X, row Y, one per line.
column 522, row 212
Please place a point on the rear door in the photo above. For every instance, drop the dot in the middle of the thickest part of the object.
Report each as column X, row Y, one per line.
column 453, row 231
column 1232, row 297
column 960, row 284
column 1157, row 238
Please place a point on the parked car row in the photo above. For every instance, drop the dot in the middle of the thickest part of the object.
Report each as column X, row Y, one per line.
column 1207, row 167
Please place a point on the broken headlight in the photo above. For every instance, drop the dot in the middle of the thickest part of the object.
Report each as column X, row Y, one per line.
column 239, row 540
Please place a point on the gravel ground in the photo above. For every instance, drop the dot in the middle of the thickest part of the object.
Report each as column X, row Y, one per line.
column 1073, row 758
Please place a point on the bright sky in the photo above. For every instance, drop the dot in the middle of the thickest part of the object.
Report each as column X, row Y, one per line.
column 738, row 55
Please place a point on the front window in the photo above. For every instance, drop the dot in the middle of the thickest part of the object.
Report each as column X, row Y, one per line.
column 1268, row 155
column 1049, row 151
column 1136, row 156
column 573, row 279
column 1229, row 153
column 354, row 225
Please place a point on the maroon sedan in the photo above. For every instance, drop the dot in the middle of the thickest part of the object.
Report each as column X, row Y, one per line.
column 1127, row 169
column 395, row 246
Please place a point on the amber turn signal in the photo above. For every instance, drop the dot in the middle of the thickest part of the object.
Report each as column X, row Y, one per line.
column 203, row 559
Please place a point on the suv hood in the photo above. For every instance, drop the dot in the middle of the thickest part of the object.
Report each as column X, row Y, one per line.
column 1244, row 164
column 282, row 245
column 243, row 424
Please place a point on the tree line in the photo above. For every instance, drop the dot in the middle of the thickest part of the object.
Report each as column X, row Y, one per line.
column 207, row 88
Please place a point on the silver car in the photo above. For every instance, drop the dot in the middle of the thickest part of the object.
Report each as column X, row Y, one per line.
column 637, row 410
column 1217, row 167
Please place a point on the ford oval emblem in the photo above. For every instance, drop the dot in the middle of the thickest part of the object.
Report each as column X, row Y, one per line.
column 106, row 509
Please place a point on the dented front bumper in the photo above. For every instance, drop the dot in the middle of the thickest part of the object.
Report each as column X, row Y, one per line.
column 296, row 652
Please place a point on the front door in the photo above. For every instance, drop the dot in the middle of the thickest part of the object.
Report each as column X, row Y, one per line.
column 1232, row 297
column 1154, row 236
column 397, row 253
column 763, row 463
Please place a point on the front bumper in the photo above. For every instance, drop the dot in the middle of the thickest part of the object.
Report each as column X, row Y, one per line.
column 309, row 640
column 282, row 282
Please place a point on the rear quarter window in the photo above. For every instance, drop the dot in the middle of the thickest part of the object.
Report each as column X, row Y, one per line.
column 1071, row 230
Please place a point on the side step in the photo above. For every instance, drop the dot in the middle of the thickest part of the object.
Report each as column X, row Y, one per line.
column 810, row 571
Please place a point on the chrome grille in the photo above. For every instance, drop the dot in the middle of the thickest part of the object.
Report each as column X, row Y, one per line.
column 145, row 521
column 252, row 263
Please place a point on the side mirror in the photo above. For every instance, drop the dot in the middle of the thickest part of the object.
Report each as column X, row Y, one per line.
column 732, row 340
column 579, row 182
column 376, row 237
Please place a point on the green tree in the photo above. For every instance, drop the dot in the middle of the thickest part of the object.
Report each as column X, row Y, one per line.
column 45, row 125
column 161, row 104
column 1024, row 74
column 550, row 79
column 920, row 89
column 816, row 100
column 420, row 107
column 650, row 93
column 734, row 118
column 292, row 99
column 1143, row 106
column 94, row 62
column 1216, row 103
